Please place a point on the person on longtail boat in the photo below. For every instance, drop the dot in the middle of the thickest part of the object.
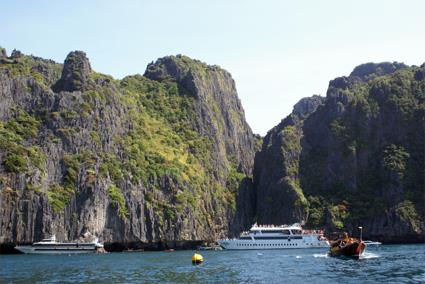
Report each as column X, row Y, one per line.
column 345, row 240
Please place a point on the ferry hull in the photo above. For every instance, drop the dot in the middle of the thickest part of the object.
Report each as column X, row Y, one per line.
column 33, row 250
column 264, row 245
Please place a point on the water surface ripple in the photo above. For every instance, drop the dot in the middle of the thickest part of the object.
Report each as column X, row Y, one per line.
column 389, row 264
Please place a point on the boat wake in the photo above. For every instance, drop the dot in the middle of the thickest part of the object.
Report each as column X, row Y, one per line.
column 366, row 255
column 316, row 255
column 369, row 255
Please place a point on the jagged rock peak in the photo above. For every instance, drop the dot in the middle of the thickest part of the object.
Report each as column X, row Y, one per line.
column 76, row 72
column 16, row 54
column 369, row 70
column 420, row 74
column 179, row 68
column 167, row 67
column 308, row 105
column 3, row 53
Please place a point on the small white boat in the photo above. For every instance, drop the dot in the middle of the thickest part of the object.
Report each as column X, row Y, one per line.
column 216, row 247
column 276, row 237
column 51, row 246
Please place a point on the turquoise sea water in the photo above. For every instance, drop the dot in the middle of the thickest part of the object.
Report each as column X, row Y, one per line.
column 381, row 264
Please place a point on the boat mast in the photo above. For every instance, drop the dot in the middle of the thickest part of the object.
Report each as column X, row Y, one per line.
column 361, row 232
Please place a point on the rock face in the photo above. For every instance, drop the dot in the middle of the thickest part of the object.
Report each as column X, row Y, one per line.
column 218, row 115
column 155, row 160
column 356, row 159
column 219, row 112
column 3, row 53
column 279, row 195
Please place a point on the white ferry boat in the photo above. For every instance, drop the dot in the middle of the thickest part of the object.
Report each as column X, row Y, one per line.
column 276, row 237
column 51, row 246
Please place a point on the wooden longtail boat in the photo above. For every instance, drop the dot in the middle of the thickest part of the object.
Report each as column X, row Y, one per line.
column 353, row 250
column 348, row 247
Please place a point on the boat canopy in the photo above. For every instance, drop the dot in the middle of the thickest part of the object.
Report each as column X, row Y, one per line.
column 267, row 228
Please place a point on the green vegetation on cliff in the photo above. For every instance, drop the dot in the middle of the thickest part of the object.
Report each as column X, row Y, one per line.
column 117, row 197
column 19, row 155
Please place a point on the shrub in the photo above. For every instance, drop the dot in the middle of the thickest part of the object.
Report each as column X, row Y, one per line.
column 13, row 136
column 59, row 197
column 117, row 197
column 15, row 163
column 395, row 159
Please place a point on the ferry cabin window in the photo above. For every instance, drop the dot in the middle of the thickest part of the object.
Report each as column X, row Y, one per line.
column 285, row 232
column 274, row 231
column 296, row 232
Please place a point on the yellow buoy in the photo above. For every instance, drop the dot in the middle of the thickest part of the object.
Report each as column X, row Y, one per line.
column 197, row 258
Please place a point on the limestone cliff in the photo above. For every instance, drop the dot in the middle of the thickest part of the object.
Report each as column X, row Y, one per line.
column 356, row 159
column 167, row 158
column 155, row 159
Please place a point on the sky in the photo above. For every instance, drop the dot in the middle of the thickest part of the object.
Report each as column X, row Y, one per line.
column 277, row 51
